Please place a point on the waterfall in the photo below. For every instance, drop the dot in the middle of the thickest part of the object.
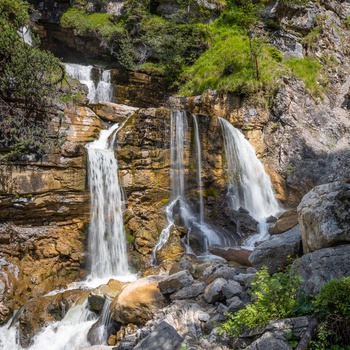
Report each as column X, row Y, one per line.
column 199, row 168
column 100, row 89
column 106, row 318
column 248, row 184
column 26, row 34
column 107, row 243
column 179, row 208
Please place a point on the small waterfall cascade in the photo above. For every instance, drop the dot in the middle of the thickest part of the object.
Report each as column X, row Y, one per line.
column 97, row 80
column 179, row 207
column 26, row 34
column 70, row 333
column 107, row 243
column 199, row 168
column 248, row 184
column 106, row 319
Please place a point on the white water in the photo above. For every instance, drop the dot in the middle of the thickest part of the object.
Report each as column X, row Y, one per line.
column 68, row 334
column 179, row 206
column 199, row 168
column 100, row 90
column 248, row 184
column 26, row 35
column 107, row 243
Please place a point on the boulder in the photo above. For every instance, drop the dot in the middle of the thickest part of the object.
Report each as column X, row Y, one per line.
column 139, row 301
column 189, row 292
column 175, row 282
column 163, row 337
column 213, row 292
column 319, row 267
column 218, row 269
column 231, row 289
column 277, row 251
column 285, row 222
column 324, row 216
column 270, row 341
column 236, row 254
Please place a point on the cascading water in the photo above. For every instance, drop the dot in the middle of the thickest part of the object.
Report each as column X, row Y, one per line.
column 107, row 243
column 179, row 207
column 199, row 168
column 248, row 184
column 100, row 89
column 26, row 35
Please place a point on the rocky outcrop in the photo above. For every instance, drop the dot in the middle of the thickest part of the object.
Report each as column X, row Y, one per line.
column 323, row 265
column 324, row 216
column 44, row 210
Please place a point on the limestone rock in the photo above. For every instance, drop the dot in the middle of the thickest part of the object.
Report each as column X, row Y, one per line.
column 214, row 291
column 324, row 216
column 270, row 341
column 321, row 266
column 163, row 337
column 231, row 289
column 175, row 282
column 113, row 112
column 236, row 254
column 286, row 221
column 276, row 252
column 138, row 301
column 189, row 292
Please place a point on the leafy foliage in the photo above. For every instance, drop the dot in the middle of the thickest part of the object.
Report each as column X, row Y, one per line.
column 28, row 78
column 273, row 298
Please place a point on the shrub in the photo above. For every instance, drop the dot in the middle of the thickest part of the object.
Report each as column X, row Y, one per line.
column 274, row 297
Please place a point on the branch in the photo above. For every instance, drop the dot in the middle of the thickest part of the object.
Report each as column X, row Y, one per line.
column 307, row 336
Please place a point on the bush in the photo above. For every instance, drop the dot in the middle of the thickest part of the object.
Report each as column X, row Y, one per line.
column 274, row 298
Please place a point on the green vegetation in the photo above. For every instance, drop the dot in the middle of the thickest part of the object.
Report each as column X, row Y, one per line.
column 28, row 78
column 274, row 298
column 280, row 296
column 308, row 70
column 195, row 53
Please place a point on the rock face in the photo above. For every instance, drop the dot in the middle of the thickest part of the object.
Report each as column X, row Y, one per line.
column 323, row 265
column 44, row 211
column 324, row 216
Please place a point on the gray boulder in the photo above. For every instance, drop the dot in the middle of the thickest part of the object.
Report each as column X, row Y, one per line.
column 321, row 266
column 175, row 282
column 270, row 341
column 213, row 292
column 324, row 216
column 189, row 292
column 276, row 252
column 163, row 337
column 231, row 289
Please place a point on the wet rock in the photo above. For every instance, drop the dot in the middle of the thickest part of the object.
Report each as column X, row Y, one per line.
column 39, row 312
column 324, row 216
column 139, row 301
column 175, row 282
column 163, row 337
column 214, row 291
column 286, row 221
column 236, row 254
column 321, row 266
column 277, row 251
